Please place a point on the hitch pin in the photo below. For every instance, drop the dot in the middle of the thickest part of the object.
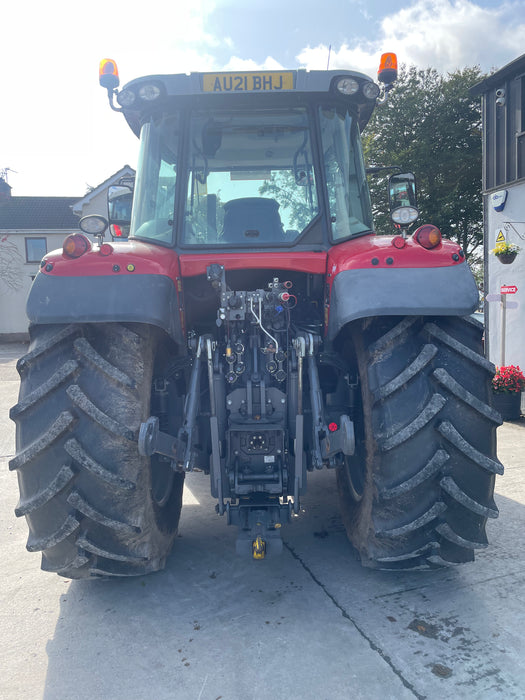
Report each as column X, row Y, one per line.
column 258, row 548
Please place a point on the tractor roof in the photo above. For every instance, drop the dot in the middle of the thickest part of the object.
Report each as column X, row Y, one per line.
column 236, row 88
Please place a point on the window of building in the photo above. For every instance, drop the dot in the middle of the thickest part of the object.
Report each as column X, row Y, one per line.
column 36, row 248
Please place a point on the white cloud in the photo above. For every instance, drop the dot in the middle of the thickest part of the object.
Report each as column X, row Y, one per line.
column 244, row 64
column 443, row 34
column 57, row 131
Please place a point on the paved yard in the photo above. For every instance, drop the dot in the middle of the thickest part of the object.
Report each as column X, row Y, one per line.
column 311, row 624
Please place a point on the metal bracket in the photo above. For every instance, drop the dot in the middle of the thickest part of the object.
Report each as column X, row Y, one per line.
column 343, row 440
column 259, row 525
column 153, row 441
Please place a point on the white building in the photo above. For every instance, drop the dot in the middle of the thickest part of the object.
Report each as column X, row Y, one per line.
column 30, row 227
column 503, row 103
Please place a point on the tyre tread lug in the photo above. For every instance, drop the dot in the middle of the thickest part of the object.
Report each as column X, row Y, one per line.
column 75, row 499
column 431, row 514
column 432, row 467
column 426, row 355
column 455, row 438
column 87, row 351
column 56, row 380
column 39, row 499
column 38, row 544
column 459, row 347
column 79, row 398
column 448, row 485
column 79, row 454
column 44, row 346
column 448, row 533
column 447, row 381
column 431, row 410
column 63, row 423
column 89, row 546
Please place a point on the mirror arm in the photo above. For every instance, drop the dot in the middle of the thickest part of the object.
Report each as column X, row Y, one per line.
column 384, row 97
column 111, row 95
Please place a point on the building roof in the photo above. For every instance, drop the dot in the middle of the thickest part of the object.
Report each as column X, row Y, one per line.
column 35, row 213
column 511, row 70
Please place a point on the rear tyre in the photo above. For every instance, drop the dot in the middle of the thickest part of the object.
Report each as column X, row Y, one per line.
column 425, row 456
column 93, row 505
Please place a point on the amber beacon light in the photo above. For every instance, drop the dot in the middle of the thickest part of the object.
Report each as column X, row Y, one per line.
column 387, row 72
column 108, row 74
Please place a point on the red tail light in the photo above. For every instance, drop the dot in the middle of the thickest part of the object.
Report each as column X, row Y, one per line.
column 428, row 236
column 105, row 249
column 75, row 245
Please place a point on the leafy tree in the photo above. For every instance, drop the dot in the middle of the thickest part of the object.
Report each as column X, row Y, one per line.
column 431, row 125
column 296, row 202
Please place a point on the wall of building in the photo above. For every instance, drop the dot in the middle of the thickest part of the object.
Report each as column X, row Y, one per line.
column 509, row 223
column 95, row 203
column 18, row 267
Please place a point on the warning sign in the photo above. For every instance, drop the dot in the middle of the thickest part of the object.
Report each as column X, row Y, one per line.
column 500, row 236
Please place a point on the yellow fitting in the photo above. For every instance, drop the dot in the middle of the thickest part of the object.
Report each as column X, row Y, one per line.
column 258, row 548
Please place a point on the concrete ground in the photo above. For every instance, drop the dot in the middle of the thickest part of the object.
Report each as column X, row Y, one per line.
column 311, row 624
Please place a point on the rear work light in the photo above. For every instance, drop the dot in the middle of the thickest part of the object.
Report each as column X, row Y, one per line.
column 126, row 98
column 149, row 92
column 75, row 245
column 371, row 91
column 404, row 215
column 428, row 236
column 347, row 86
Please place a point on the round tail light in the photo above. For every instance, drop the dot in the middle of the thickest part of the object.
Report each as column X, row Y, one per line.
column 428, row 236
column 75, row 245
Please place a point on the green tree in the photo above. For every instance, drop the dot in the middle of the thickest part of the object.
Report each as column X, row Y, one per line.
column 432, row 126
column 297, row 206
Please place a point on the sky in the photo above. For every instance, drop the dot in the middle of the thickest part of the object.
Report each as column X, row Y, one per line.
column 58, row 136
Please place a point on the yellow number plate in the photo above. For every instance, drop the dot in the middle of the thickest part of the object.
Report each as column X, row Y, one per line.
column 247, row 82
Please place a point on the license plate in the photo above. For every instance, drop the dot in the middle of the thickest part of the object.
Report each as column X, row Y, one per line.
column 247, row 82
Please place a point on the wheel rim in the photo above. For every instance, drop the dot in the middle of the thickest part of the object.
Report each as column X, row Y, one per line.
column 162, row 477
column 355, row 478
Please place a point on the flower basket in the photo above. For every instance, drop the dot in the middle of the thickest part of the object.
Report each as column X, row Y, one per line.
column 507, row 259
column 507, row 385
column 506, row 252
column 508, row 405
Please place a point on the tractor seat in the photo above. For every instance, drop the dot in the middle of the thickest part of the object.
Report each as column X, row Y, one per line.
column 252, row 220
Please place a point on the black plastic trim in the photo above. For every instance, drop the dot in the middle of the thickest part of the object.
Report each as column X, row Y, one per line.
column 124, row 298
column 438, row 291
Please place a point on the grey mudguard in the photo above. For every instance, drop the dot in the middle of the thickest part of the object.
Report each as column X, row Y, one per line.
column 437, row 291
column 129, row 298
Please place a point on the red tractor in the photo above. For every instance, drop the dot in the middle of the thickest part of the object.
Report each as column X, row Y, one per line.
column 253, row 326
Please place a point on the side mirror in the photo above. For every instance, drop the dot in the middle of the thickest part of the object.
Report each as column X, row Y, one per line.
column 120, row 198
column 402, row 198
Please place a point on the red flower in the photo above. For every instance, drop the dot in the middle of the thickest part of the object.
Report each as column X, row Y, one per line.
column 508, row 379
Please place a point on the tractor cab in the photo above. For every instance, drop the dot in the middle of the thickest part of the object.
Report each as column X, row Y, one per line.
column 248, row 160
